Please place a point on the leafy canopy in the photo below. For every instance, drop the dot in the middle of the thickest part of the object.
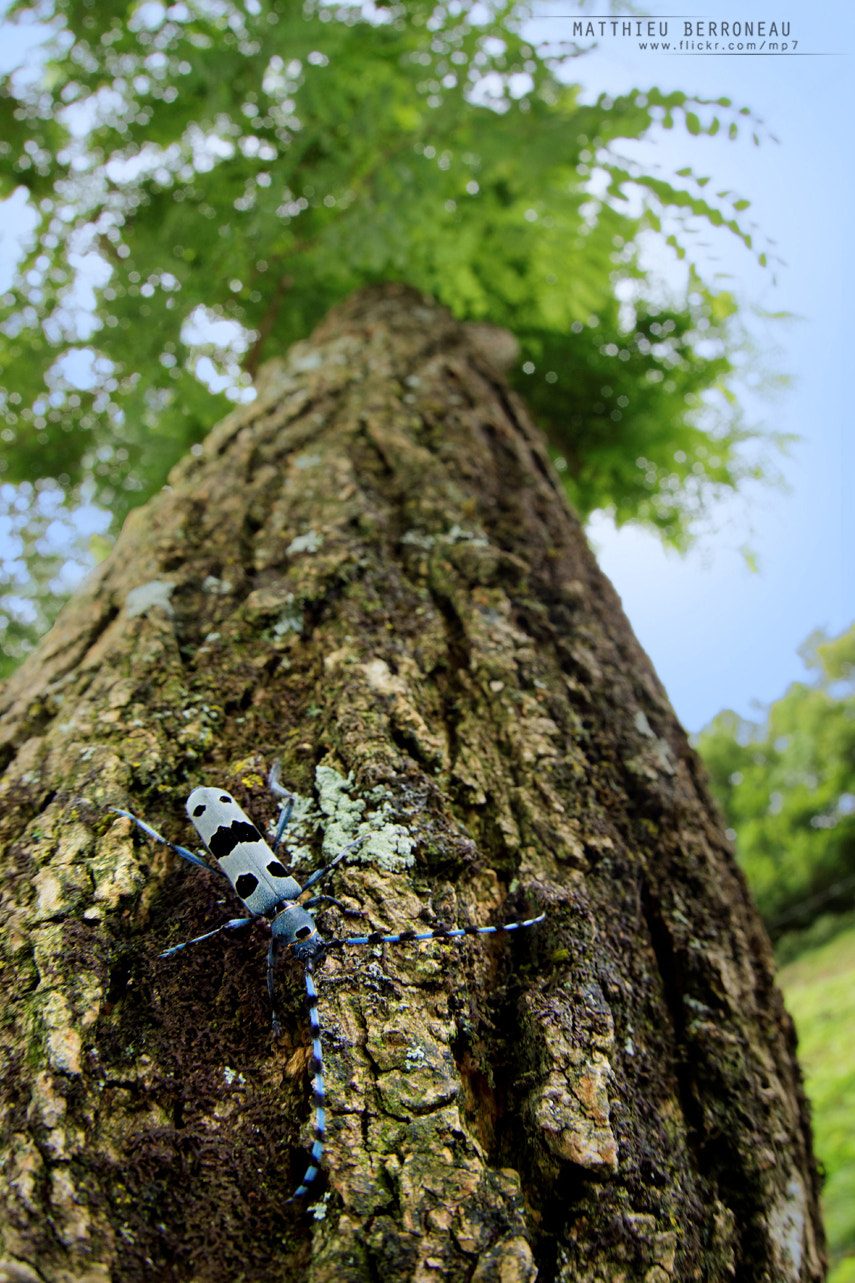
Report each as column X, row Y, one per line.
column 787, row 788
column 207, row 178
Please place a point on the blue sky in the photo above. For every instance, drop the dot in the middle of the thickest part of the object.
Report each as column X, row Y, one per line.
column 719, row 635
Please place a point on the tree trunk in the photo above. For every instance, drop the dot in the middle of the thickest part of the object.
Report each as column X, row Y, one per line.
column 371, row 574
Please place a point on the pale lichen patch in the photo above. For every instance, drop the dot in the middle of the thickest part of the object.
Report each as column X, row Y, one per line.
column 311, row 541
column 787, row 1223
column 381, row 678
column 290, row 619
column 154, row 595
column 302, row 357
column 656, row 758
column 342, row 812
column 216, row 587
column 385, row 842
column 307, row 460
column 390, row 846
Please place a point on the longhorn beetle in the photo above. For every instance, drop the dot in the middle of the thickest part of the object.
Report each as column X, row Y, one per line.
column 271, row 895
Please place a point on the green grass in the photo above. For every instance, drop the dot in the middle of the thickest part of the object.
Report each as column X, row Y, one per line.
column 819, row 987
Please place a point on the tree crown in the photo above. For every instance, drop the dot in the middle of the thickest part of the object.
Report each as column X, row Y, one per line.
column 206, row 178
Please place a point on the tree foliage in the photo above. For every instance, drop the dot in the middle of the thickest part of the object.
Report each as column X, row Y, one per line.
column 207, row 178
column 787, row 788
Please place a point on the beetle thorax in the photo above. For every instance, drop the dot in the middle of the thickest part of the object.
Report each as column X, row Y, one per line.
column 294, row 924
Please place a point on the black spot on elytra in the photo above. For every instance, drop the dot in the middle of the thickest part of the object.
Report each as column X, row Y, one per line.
column 245, row 885
column 228, row 836
column 275, row 869
column 200, row 809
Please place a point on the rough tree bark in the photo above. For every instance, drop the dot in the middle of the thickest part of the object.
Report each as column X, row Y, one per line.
column 371, row 574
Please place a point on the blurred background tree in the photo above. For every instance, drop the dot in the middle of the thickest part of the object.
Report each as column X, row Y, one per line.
column 204, row 179
column 786, row 785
